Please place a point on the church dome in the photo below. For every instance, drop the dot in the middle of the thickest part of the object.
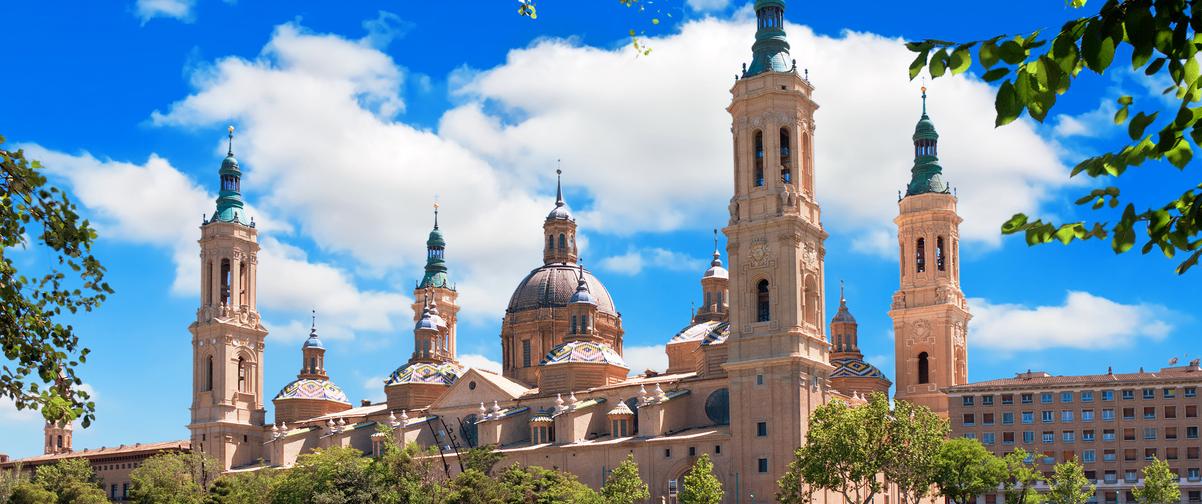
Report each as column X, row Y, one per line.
column 553, row 285
column 306, row 388
column 425, row 372
column 851, row 367
column 587, row 352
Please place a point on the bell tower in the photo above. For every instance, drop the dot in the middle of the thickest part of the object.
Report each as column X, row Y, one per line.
column 58, row 437
column 227, row 336
column 778, row 355
column 435, row 287
column 929, row 312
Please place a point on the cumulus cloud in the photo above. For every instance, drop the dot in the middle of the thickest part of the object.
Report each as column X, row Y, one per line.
column 1094, row 123
column 1083, row 321
column 641, row 358
column 708, row 5
column 648, row 138
column 480, row 362
column 634, row 260
column 177, row 9
column 168, row 211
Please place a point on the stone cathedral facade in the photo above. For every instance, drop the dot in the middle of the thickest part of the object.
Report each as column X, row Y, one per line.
column 744, row 374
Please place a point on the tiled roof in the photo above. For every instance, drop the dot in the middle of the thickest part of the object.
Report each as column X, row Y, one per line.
column 425, row 372
column 1033, row 380
column 850, row 367
column 588, row 352
column 552, row 285
column 150, row 448
column 700, row 331
column 307, row 388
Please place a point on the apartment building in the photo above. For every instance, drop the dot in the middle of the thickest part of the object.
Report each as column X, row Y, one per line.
column 1113, row 423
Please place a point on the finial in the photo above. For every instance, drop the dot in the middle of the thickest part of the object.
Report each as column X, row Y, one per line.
column 924, row 96
column 435, row 211
column 231, row 149
column 558, row 185
column 807, row 75
column 314, row 326
column 842, row 299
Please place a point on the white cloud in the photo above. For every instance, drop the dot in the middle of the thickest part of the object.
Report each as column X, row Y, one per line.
column 480, row 362
column 374, row 388
column 634, row 260
column 385, row 28
column 1094, row 123
column 177, row 9
column 10, row 415
column 708, row 5
column 648, row 138
column 641, row 358
column 167, row 209
column 1083, row 321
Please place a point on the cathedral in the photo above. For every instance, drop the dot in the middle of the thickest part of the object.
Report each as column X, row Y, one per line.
column 743, row 376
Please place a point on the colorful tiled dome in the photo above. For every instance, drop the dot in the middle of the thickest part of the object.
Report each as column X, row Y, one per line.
column 699, row 332
column 717, row 335
column 306, row 388
column 588, row 352
column 425, row 372
column 851, row 367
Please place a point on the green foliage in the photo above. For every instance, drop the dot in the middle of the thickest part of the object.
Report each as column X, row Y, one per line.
column 1068, row 484
column 9, row 479
column 699, row 485
column 911, row 452
column 1018, row 487
column 1163, row 41
column 253, row 487
column 173, row 478
column 482, row 458
column 38, row 347
column 71, row 480
column 472, row 486
column 624, row 486
column 533, row 484
column 1160, row 485
column 31, row 493
column 965, row 469
column 328, row 476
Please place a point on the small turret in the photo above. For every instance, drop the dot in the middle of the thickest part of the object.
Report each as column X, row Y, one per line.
column 715, row 285
column 436, row 264
column 926, row 175
column 230, row 207
column 770, row 52
column 559, row 229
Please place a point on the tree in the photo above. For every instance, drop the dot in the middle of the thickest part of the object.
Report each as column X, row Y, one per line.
column 472, row 486
column 407, row 473
column 843, row 452
column 965, row 469
column 72, row 481
column 1160, row 485
column 31, row 493
column 534, row 484
column 700, row 486
column 328, row 476
column 482, row 458
column 624, row 486
column 1161, row 38
column 9, row 479
column 38, row 347
column 176, row 478
column 1018, row 487
column 1068, row 484
column 252, row 487
column 915, row 434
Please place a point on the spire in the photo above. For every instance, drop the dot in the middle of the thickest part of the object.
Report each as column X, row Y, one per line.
column 770, row 52
column 716, row 269
column 558, row 184
column 230, row 207
column 582, row 294
column 436, row 264
column 927, row 175
column 843, row 315
column 560, row 212
column 313, row 341
column 717, row 255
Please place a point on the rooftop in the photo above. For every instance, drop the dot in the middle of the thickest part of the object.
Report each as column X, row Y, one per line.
column 1038, row 379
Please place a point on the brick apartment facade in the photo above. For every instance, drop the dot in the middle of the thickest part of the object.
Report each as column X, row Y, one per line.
column 1114, row 424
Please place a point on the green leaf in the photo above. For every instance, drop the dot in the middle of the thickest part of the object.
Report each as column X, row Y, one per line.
column 938, row 63
column 1121, row 116
column 995, row 74
column 988, row 54
column 1007, row 104
column 1139, row 123
column 1011, row 52
column 919, row 62
column 1016, row 223
column 960, row 60
column 1096, row 47
column 1180, row 153
column 1155, row 66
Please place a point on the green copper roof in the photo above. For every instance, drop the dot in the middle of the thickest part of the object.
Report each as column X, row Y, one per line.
column 927, row 175
column 436, row 264
column 230, row 207
column 770, row 52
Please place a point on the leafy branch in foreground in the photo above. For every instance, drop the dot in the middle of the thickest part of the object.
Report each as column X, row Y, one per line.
column 1163, row 38
column 38, row 347
column 527, row 8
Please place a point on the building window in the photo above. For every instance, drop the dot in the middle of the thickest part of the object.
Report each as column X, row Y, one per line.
column 1027, row 398
column 1028, row 417
column 924, row 369
column 1170, row 433
column 763, row 465
column 1150, row 413
column 1191, row 432
column 563, row 243
column 1049, row 437
column 1007, row 398
column 939, row 256
column 209, row 373
column 1108, row 414
column 1067, row 436
column 1066, row 397
column 1046, row 416
column 1087, row 435
column 1045, row 398
column 761, row 429
column 1128, row 395
column 241, row 374
column 667, row 453
column 717, row 449
column 968, row 400
column 987, row 418
column 786, row 157
column 988, row 438
column 1129, row 434
column 525, row 353
column 1087, row 396
column 1008, row 438
column 759, row 379
column 987, row 400
column 1109, row 456
column 1191, row 391
column 1007, row 418
column 1087, row 415
column 1066, row 416
column 1128, row 413
column 1149, row 393
column 762, row 301
column 1191, row 411
column 1149, row 432
column 759, row 159
column 920, row 258
column 1088, row 456
column 1028, row 437
column 1107, row 395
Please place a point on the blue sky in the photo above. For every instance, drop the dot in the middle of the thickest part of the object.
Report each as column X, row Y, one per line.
column 353, row 117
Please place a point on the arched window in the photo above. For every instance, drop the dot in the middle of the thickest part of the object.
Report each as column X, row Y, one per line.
column 312, row 364
column 573, row 324
column 60, row 440
column 924, row 368
column 209, row 373
column 810, row 295
column 225, row 281
column 242, row 283
column 920, row 257
column 807, row 158
column 762, row 311
column 759, row 158
column 550, row 242
column 562, row 242
column 708, row 301
column 241, row 374
column 939, row 257
column 786, row 157
column 584, row 323
column 633, row 404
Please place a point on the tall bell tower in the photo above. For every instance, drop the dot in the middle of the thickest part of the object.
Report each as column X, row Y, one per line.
column 930, row 313
column 227, row 336
column 778, row 355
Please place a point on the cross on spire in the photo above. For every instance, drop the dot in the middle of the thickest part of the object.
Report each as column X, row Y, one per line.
column 230, row 152
column 435, row 211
